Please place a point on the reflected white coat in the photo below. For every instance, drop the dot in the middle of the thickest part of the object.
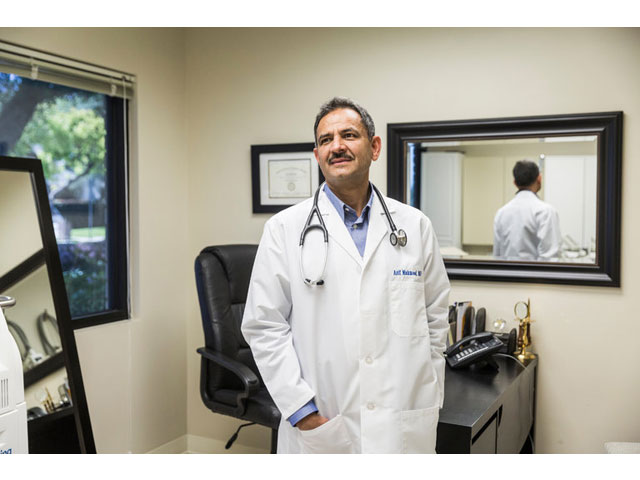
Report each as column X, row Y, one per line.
column 527, row 228
column 366, row 346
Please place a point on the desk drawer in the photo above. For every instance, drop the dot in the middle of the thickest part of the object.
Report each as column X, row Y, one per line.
column 515, row 416
column 485, row 440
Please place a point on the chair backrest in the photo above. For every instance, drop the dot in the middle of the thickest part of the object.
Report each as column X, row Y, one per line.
column 222, row 278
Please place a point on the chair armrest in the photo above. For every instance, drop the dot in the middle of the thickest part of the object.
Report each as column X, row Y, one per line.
column 244, row 373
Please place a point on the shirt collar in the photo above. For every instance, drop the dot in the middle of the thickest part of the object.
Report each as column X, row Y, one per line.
column 340, row 205
column 526, row 190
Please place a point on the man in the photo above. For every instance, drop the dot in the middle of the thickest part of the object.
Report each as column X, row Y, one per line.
column 527, row 228
column 355, row 362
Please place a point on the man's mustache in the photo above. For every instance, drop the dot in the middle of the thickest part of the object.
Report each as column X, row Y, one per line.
column 333, row 156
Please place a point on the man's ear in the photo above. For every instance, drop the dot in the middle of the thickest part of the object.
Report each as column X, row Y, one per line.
column 376, row 146
column 315, row 153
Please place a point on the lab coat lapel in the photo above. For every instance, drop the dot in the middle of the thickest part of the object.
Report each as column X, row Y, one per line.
column 337, row 229
column 378, row 228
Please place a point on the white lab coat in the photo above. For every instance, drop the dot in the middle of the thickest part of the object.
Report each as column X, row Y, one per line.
column 366, row 346
column 527, row 228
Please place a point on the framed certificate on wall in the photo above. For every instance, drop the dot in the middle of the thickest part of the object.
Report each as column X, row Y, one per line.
column 283, row 175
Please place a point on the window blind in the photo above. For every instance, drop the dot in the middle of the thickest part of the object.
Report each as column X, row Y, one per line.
column 46, row 67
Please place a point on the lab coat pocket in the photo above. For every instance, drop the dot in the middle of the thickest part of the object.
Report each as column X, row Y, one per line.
column 419, row 430
column 330, row 437
column 407, row 309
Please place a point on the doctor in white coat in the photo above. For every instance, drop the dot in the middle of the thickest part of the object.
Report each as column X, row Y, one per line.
column 527, row 228
column 355, row 364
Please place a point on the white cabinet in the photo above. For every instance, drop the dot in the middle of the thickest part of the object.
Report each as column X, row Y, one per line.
column 570, row 185
column 440, row 195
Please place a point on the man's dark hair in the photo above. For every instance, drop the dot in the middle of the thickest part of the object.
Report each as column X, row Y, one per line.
column 525, row 173
column 341, row 102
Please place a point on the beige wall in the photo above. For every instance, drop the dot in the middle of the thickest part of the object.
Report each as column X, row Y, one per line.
column 205, row 95
column 134, row 371
column 263, row 86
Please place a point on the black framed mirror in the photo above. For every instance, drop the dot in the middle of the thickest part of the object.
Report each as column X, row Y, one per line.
column 460, row 173
column 40, row 321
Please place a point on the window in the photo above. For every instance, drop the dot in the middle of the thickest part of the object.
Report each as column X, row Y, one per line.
column 72, row 117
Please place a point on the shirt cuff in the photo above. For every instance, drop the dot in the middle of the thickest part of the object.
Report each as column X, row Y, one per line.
column 307, row 409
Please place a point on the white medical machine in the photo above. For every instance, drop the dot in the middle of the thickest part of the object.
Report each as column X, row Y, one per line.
column 13, row 409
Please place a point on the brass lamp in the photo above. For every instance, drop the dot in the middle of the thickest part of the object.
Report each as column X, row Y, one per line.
column 522, row 311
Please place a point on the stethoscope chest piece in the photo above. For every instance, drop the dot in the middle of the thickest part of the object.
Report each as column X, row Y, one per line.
column 398, row 237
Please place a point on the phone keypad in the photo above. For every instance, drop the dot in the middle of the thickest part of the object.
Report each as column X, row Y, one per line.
column 477, row 350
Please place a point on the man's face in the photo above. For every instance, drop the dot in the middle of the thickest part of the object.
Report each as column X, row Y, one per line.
column 344, row 151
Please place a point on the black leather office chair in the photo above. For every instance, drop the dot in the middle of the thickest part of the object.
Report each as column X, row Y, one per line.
column 230, row 383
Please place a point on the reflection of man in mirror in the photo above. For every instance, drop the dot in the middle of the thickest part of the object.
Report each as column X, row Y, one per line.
column 527, row 228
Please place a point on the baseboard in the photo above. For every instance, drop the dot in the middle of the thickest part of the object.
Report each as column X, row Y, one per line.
column 196, row 444
column 178, row 445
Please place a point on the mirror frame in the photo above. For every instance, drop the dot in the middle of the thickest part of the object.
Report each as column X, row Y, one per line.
column 607, row 126
column 59, row 294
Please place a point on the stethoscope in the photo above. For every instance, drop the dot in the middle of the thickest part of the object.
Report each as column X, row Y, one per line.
column 397, row 237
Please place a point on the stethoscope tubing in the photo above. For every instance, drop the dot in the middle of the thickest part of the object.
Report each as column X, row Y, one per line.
column 397, row 237
column 384, row 207
column 321, row 226
column 308, row 226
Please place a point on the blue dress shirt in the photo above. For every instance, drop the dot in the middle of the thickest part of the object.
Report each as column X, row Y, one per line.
column 357, row 227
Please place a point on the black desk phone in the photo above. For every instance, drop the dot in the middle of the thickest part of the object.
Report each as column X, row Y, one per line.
column 472, row 349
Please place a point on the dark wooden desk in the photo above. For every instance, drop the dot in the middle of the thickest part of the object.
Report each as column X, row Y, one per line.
column 486, row 411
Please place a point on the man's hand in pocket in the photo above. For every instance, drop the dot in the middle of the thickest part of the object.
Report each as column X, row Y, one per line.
column 311, row 421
